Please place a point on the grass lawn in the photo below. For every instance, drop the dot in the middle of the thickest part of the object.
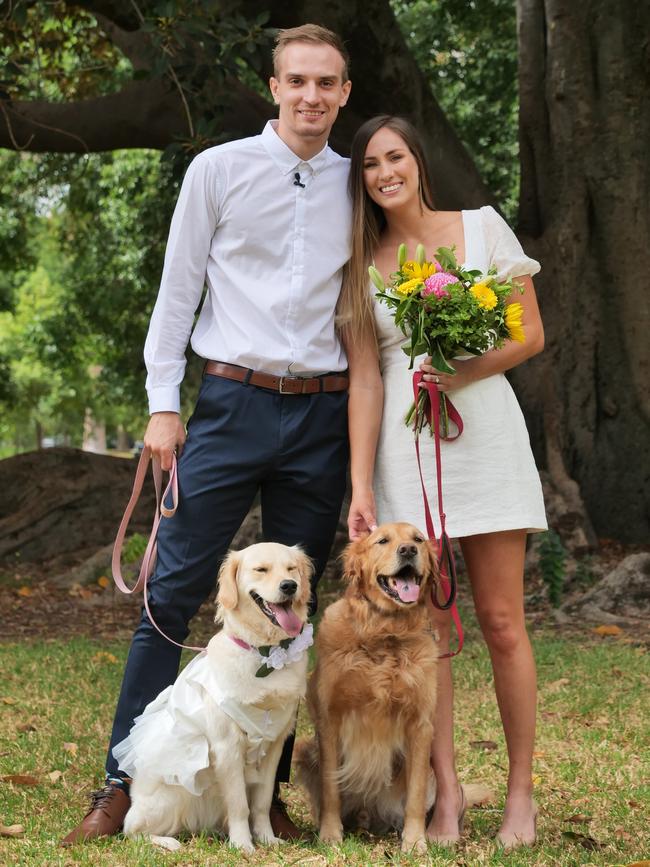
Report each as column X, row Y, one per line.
column 591, row 764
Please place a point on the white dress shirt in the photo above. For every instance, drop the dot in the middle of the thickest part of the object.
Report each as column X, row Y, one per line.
column 270, row 253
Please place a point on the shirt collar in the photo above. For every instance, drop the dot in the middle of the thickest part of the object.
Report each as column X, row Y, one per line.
column 284, row 157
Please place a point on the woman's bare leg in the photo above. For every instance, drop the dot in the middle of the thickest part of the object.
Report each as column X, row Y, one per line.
column 495, row 565
column 443, row 827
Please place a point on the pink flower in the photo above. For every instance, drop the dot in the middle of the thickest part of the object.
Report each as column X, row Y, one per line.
column 434, row 285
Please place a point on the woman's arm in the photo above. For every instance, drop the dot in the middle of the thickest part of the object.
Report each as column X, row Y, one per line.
column 497, row 360
column 365, row 406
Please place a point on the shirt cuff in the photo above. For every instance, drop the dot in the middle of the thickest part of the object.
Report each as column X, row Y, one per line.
column 164, row 398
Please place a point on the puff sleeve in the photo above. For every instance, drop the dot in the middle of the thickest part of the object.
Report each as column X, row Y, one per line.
column 503, row 248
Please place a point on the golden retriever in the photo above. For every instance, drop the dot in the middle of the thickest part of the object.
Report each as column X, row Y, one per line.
column 204, row 754
column 373, row 692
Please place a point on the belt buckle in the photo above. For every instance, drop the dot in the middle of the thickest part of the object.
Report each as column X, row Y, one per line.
column 284, row 379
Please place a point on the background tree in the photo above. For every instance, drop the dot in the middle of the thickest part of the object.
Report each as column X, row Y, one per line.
column 189, row 73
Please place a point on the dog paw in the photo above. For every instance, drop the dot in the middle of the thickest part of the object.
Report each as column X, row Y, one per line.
column 242, row 843
column 331, row 832
column 416, row 845
column 169, row 843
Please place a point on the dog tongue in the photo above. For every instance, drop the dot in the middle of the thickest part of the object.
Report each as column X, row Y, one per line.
column 408, row 591
column 287, row 618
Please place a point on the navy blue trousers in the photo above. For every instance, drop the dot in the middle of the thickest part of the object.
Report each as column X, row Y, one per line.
column 241, row 440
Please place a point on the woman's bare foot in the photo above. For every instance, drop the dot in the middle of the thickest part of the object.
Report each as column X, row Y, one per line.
column 519, row 826
column 446, row 824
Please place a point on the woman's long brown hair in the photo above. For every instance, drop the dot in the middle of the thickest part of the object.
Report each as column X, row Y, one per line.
column 368, row 222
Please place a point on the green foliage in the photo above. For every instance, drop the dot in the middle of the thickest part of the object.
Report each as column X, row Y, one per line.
column 49, row 52
column 468, row 51
column 134, row 548
column 552, row 559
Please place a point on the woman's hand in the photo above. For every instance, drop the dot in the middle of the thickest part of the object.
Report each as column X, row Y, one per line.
column 362, row 515
column 466, row 373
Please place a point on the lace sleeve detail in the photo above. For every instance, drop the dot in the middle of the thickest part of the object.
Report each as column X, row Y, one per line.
column 503, row 248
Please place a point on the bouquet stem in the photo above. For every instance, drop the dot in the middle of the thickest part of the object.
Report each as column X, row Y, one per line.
column 422, row 407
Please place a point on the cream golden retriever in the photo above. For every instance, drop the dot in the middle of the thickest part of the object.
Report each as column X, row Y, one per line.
column 204, row 754
column 372, row 695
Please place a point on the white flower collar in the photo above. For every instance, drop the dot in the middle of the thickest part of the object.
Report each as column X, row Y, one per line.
column 275, row 656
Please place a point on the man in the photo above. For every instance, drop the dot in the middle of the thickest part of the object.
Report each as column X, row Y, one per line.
column 265, row 223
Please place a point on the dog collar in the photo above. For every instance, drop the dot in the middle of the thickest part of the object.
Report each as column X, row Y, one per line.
column 275, row 656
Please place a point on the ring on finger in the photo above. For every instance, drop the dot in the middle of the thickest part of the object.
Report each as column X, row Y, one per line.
column 436, row 379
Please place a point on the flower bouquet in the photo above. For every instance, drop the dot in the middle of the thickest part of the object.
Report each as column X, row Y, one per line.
column 444, row 311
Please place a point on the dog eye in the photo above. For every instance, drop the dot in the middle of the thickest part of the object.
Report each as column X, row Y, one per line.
column 382, row 541
column 291, row 568
column 260, row 569
column 418, row 539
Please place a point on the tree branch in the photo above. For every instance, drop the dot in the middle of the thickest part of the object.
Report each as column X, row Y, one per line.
column 144, row 114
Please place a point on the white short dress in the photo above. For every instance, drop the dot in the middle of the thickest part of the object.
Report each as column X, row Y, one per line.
column 490, row 481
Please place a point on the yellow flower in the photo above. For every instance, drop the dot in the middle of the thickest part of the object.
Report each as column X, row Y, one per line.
column 484, row 295
column 409, row 287
column 514, row 314
column 413, row 269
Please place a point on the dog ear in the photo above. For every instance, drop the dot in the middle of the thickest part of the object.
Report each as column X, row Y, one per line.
column 228, row 595
column 306, row 568
column 433, row 570
column 353, row 562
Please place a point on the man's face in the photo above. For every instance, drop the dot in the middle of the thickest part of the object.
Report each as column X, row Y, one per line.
column 309, row 89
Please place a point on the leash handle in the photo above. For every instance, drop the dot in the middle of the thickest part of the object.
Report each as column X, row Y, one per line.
column 446, row 559
column 162, row 511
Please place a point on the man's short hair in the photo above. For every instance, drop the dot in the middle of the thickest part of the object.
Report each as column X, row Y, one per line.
column 313, row 33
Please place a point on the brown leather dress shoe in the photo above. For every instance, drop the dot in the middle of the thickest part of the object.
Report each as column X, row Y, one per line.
column 282, row 825
column 105, row 818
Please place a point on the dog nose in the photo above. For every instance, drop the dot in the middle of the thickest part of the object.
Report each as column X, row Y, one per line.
column 407, row 551
column 288, row 587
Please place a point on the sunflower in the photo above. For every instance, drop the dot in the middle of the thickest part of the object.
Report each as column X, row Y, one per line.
column 513, row 316
column 414, row 269
column 409, row 286
column 484, row 295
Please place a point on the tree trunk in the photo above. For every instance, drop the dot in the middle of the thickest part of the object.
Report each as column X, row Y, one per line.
column 585, row 124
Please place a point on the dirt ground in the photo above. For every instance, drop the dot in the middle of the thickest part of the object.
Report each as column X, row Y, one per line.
column 32, row 606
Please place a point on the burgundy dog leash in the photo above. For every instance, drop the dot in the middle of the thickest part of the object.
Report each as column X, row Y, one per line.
column 445, row 550
column 162, row 511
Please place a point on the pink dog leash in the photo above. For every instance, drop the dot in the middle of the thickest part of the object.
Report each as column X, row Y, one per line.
column 149, row 559
column 445, row 550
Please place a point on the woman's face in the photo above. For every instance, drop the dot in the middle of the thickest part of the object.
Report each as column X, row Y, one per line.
column 390, row 171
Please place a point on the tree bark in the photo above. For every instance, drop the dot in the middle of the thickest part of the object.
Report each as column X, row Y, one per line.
column 585, row 124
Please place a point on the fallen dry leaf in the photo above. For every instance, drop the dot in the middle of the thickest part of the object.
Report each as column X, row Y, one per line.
column 11, row 830
column 556, row 685
column 55, row 776
column 583, row 840
column 536, row 779
column 26, row 727
column 607, row 629
column 71, row 748
column 488, row 746
column 103, row 581
column 579, row 819
column 638, row 864
column 20, row 779
column 104, row 656
column 7, row 700
column 25, row 591
column 539, row 754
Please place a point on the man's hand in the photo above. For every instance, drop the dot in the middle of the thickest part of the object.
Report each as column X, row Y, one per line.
column 164, row 435
column 362, row 515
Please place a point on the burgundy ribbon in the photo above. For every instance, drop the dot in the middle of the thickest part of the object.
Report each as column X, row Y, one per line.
column 445, row 551
column 162, row 511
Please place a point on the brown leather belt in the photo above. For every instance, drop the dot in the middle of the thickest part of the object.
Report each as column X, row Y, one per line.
column 281, row 384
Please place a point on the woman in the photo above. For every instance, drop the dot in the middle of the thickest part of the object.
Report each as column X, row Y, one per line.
column 492, row 492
